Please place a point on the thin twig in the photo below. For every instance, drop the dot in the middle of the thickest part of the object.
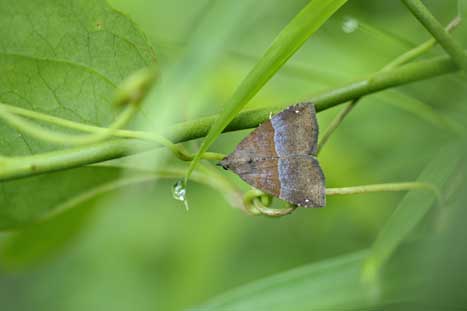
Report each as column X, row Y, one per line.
column 387, row 187
column 336, row 122
column 254, row 203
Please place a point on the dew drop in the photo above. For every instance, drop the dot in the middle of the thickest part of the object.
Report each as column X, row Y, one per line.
column 349, row 25
column 179, row 192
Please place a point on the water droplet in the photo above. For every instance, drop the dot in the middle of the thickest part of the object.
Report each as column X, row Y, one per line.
column 179, row 192
column 349, row 25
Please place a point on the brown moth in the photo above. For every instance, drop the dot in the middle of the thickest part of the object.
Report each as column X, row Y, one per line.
column 279, row 157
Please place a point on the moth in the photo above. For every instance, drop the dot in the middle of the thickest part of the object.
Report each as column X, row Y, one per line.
column 279, row 157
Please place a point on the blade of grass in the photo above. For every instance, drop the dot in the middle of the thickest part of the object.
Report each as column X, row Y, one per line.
column 327, row 285
column 319, row 286
column 452, row 47
column 289, row 40
column 411, row 210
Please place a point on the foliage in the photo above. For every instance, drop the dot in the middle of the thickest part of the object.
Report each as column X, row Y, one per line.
column 82, row 233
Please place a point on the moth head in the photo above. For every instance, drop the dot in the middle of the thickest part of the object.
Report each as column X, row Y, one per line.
column 224, row 163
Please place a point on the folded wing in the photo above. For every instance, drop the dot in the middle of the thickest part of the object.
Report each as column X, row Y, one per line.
column 278, row 157
column 296, row 130
column 302, row 181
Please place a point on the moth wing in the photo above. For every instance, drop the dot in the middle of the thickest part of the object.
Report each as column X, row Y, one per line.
column 296, row 179
column 277, row 157
column 302, row 181
column 259, row 144
column 296, row 130
column 293, row 131
column 261, row 174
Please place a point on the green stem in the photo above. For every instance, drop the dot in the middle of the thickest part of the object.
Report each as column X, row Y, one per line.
column 178, row 151
column 402, row 59
column 58, row 160
column 388, row 187
column 47, row 135
column 273, row 212
column 452, row 47
column 422, row 48
column 255, row 203
column 335, row 123
column 130, row 93
column 383, row 80
column 202, row 176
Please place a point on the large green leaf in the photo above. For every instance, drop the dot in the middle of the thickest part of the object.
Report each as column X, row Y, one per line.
column 41, row 241
column 331, row 283
column 64, row 58
column 38, row 241
column 23, row 201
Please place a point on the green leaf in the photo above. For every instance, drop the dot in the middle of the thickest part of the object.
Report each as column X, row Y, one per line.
column 411, row 210
column 64, row 58
column 323, row 285
column 330, row 284
column 25, row 201
column 333, row 284
column 39, row 242
column 289, row 40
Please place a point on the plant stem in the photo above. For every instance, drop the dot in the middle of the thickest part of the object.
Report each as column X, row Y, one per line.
column 11, row 168
column 178, row 151
column 383, row 80
column 257, row 203
column 422, row 48
column 402, row 59
column 389, row 187
column 336, row 122
column 254, row 205
column 47, row 135
column 273, row 212
column 452, row 47
column 202, row 176
column 129, row 93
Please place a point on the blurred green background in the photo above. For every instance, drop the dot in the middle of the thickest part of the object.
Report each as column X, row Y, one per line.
column 138, row 249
